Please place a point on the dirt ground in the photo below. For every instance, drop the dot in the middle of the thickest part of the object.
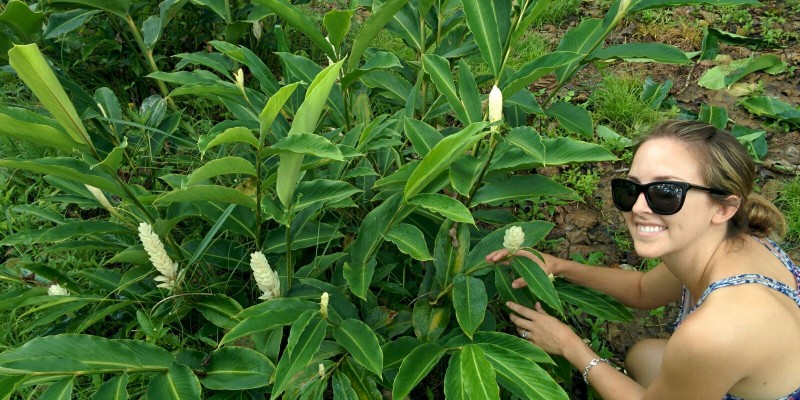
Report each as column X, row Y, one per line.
column 592, row 225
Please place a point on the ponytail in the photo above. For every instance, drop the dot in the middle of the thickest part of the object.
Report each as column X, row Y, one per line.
column 758, row 217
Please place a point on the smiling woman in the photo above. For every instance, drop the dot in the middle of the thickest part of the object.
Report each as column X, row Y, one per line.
column 688, row 201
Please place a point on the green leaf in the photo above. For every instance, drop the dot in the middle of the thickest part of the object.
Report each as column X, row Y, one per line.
column 60, row 390
column 489, row 22
column 654, row 93
column 272, row 109
column 468, row 91
column 219, row 309
column 322, row 191
column 441, row 157
column 650, row 4
column 116, row 7
column 215, row 193
column 308, row 143
column 305, row 338
column 300, row 22
column 62, row 23
column 305, row 121
column 32, row 68
column 515, row 344
column 648, row 52
column 439, row 70
column 360, row 341
column 538, row 282
column 179, row 383
column 409, row 240
column 342, row 389
column 464, row 174
column 714, row 115
column 470, row 301
column 220, row 7
column 415, row 367
column 337, row 23
column 593, row 302
column 536, row 69
column 221, row 166
column 113, row 389
column 37, row 133
column 21, row 22
column 725, row 75
column 237, row 134
column 478, row 374
column 529, row 141
column 237, row 368
column 370, row 29
column 65, row 231
column 563, row 150
column 712, row 37
column 422, row 136
column 518, row 187
column 454, row 385
column 444, row 205
column 429, row 322
column 531, row 382
column 151, row 31
column 772, row 108
column 582, row 39
column 264, row 321
column 573, row 118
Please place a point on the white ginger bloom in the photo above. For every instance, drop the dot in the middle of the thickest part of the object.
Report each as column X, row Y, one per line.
column 552, row 277
column 495, row 105
column 56, row 290
column 158, row 256
column 513, row 239
column 266, row 279
column 239, row 76
column 257, row 29
column 321, row 370
column 323, row 305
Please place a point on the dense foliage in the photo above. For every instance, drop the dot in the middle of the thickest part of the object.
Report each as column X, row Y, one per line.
column 365, row 179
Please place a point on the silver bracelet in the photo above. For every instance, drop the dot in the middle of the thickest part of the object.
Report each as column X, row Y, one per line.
column 592, row 363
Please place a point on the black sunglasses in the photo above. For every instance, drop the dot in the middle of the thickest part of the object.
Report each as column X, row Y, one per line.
column 663, row 197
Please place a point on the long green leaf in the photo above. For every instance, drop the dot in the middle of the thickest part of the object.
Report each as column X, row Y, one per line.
column 423, row 136
column 479, row 377
column 305, row 121
column 65, row 231
column 536, row 69
column 360, row 341
column 454, row 388
column 531, row 382
column 515, row 344
column 649, row 4
column 518, row 187
column 415, row 367
column 237, row 134
column 221, row 166
column 409, row 240
column 68, row 168
column 322, row 191
column 305, row 338
column 207, row 193
column 441, row 157
column 439, row 70
column 489, row 23
column 60, row 390
column 443, row 205
column 32, row 68
column 573, row 118
column 28, row 126
column 113, row 389
column 179, row 383
column 308, row 143
column 62, row 23
column 538, row 282
column 298, row 20
column 658, row 52
column 429, row 322
column 266, row 320
column 116, row 7
column 273, row 108
column 237, row 368
column 371, row 28
column 593, row 302
column 23, row 24
column 470, row 301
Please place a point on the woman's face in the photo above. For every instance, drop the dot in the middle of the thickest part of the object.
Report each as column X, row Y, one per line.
column 657, row 235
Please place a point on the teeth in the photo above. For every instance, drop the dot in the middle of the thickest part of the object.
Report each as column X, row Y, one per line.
column 650, row 228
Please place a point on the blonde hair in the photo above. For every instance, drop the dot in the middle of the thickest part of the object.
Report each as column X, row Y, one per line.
column 726, row 165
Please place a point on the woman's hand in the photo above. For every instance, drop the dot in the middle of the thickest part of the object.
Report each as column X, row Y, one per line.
column 543, row 330
column 503, row 256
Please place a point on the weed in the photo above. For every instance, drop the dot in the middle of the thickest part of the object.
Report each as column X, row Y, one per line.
column 594, row 258
column 789, row 202
column 583, row 180
column 616, row 103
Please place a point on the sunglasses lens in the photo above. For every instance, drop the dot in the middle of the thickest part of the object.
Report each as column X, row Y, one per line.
column 665, row 198
column 624, row 194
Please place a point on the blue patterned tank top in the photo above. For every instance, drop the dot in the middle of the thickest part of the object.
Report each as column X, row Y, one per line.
column 750, row 278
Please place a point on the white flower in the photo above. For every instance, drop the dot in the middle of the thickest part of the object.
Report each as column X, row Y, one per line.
column 513, row 239
column 321, row 370
column 266, row 279
column 158, row 256
column 239, row 76
column 101, row 198
column 56, row 290
column 323, row 305
column 257, row 29
column 552, row 277
column 495, row 105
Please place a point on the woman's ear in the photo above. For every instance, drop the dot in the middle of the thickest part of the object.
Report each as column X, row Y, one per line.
column 727, row 209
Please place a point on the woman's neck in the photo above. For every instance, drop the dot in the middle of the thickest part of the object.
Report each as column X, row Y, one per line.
column 695, row 265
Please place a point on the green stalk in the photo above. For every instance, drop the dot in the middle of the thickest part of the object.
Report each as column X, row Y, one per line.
column 289, row 267
column 151, row 62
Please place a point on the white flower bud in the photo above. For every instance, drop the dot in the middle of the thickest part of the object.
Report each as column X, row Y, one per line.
column 323, row 305
column 321, row 370
column 158, row 256
column 495, row 105
column 266, row 279
column 513, row 239
column 101, row 198
column 257, row 29
column 56, row 290
column 552, row 277
column 239, row 76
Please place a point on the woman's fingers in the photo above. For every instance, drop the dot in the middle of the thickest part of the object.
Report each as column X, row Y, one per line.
column 498, row 255
column 519, row 283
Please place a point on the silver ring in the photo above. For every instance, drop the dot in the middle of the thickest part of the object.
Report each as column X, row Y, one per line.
column 525, row 334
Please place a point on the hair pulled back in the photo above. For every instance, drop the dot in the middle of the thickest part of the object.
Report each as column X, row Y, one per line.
column 725, row 164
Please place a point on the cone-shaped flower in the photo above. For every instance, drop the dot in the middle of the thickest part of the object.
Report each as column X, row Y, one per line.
column 513, row 239
column 56, row 290
column 323, row 305
column 158, row 256
column 495, row 105
column 321, row 370
column 239, row 76
column 266, row 279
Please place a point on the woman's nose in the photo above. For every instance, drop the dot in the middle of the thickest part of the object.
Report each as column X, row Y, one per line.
column 641, row 205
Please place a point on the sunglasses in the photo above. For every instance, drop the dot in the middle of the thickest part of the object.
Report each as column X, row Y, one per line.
column 663, row 197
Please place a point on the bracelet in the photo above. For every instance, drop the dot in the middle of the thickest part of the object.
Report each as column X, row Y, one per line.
column 592, row 363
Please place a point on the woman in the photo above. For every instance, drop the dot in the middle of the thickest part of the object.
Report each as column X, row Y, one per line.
column 687, row 200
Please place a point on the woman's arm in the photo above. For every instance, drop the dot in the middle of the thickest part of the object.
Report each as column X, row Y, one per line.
column 652, row 289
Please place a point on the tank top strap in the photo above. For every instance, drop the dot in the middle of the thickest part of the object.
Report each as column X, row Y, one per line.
column 781, row 255
column 749, row 278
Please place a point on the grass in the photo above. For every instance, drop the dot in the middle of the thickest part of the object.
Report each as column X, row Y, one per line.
column 789, row 203
column 616, row 103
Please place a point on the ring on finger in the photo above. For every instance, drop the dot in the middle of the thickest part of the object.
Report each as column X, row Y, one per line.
column 525, row 334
